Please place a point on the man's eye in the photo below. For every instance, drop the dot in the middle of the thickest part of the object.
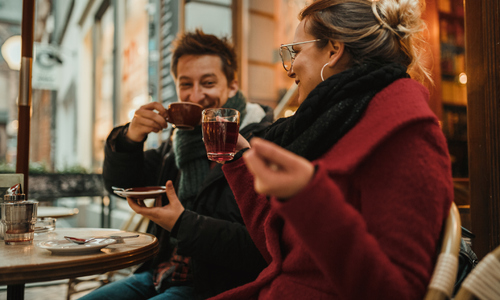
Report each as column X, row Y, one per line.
column 184, row 84
column 209, row 83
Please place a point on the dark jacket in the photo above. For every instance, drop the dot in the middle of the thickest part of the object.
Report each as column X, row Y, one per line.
column 212, row 233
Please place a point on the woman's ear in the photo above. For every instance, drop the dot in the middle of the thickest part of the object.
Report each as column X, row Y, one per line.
column 336, row 53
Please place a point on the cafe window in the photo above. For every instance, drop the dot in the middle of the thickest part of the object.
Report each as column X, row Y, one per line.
column 200, row 14
column 103, row 37
column 134, row 74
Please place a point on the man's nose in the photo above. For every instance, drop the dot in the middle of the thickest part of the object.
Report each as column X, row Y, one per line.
column 196, row 95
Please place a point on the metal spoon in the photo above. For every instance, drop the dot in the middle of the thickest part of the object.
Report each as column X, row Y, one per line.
column 78, row 241
column 119, row 239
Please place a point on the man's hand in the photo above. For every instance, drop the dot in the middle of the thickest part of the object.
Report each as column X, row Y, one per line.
column 148, row 118
column 165, row 216
column 278, row 172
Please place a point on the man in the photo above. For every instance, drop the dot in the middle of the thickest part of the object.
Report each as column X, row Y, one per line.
column 205, row 248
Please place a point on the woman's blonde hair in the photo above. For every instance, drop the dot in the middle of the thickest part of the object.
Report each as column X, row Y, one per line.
column 382, row 31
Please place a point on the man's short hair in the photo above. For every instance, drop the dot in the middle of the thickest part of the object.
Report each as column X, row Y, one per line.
column 199, row 43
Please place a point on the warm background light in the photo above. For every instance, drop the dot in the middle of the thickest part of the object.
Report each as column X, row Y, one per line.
column 462, row 78
column 11, row 52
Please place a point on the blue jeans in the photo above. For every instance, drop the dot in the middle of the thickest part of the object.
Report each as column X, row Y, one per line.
column 139, row 287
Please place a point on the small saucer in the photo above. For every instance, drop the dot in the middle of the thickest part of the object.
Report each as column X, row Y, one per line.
column 141, row 192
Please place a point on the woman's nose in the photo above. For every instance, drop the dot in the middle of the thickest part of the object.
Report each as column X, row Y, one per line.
column 290, row 73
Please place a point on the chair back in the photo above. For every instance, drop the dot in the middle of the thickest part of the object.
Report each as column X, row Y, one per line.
column 445, row 272
column 135, row 222
column 484, row 280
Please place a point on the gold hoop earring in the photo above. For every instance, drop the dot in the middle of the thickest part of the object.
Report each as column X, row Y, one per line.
column 323, row 79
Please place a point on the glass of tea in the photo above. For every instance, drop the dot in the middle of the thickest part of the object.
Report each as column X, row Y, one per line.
column 18, row 220
column 220, row 133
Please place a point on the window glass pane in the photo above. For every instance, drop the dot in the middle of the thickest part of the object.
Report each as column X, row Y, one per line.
column 103, row 85
column 212, row 19
column 223, row 2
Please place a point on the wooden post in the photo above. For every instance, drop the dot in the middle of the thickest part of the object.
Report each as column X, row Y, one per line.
column 24, row 100
column 482, row 23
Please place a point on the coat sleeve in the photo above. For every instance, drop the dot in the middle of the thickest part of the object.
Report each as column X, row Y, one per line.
column 254, row 208
column 219, row 242
column 388, row 244
column 129, row 167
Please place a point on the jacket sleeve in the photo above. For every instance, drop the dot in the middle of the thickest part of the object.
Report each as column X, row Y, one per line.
column 254, row 207
column 219, row 242
column 129, row 166
column 388, row 245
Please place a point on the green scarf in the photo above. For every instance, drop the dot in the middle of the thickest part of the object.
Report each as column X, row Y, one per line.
column 191, row 156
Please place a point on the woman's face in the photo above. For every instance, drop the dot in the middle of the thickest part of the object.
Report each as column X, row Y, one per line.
column 201, row 80
column 309, row 60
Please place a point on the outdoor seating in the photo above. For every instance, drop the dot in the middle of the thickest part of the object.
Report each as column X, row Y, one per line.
column 484, row 280
column 445, row 273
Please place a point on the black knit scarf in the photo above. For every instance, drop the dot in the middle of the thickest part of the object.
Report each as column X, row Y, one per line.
column 191, row 156
column 332, row 109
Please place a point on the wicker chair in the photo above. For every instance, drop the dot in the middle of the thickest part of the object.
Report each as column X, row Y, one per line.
column 445, row 273
column 484, row 280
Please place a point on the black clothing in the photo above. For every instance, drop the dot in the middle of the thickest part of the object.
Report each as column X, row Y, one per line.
column 213, row 234
column 332, row 109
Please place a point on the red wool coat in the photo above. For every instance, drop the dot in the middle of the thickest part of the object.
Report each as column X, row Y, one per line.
column 368, row 224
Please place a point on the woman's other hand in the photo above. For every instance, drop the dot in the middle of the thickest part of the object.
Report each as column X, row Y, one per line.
column 165, row 216
column 278, row 172
column 148, row 118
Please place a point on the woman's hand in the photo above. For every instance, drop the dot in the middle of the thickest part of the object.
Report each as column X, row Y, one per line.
column 148, row 118
column 242, row 143
column 278, row 172
column 165, row 216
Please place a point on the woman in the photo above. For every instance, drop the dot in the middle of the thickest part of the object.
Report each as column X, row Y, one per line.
column 350, row 202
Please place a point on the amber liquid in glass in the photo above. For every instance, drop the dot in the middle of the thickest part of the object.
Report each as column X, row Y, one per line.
column 220, row 140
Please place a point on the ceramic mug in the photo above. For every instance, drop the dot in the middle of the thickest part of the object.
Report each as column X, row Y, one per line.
column 184, row 115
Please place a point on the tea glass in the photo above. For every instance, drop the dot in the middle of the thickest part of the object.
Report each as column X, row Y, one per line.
column 220, row 133
column 18, row 221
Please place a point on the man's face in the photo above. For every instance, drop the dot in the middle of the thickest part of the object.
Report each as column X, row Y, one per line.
column 201, row 80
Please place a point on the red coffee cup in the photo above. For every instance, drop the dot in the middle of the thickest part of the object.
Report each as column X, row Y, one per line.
column 184, row 115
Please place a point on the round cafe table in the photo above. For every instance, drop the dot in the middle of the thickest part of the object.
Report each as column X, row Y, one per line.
column 21, row 264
